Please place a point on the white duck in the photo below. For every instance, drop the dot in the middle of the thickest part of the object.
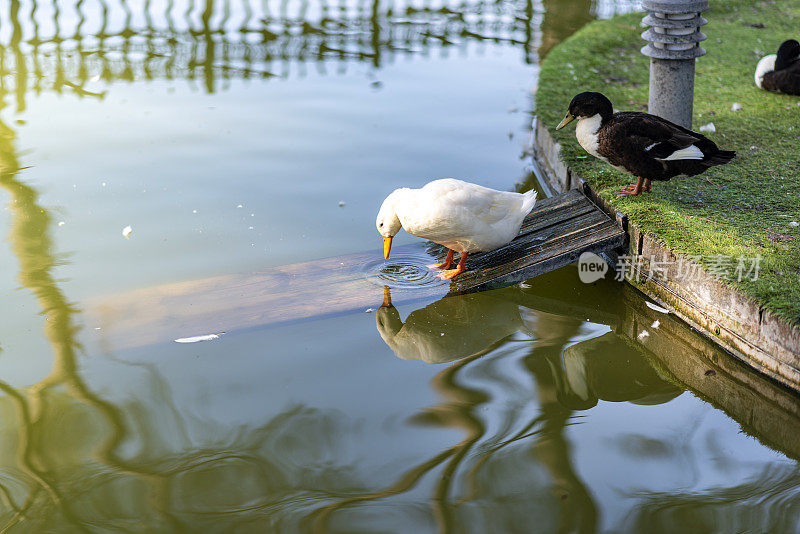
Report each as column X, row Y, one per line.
column 461, row 216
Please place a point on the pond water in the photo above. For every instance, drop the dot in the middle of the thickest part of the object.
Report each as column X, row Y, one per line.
column 243, row 142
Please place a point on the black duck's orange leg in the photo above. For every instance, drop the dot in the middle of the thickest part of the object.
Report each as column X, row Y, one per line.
column 631, row 190
column 446, row 263
column 647, row 185
column 451, row 273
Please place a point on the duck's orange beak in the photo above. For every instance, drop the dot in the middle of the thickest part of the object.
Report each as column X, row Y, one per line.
column 387, row 297
column 387, row 246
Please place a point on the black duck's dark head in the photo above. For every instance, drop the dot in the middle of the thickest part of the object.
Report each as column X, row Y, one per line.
column 788, row 53
column 587, row 104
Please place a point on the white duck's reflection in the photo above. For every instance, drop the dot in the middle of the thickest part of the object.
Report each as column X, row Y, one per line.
column 448, row 329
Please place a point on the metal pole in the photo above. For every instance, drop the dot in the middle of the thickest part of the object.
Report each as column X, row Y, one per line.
column 675, row 38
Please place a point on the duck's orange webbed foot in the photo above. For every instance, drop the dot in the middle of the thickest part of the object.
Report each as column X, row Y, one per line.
column 446, row 263
column 452, row 273
column 631, row 190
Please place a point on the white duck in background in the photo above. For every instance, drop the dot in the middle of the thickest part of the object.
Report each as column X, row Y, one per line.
column 461, row 216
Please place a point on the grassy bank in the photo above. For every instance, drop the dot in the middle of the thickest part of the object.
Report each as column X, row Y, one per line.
column 741, row 209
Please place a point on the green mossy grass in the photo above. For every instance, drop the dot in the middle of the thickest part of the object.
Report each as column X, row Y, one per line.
column 740, row 209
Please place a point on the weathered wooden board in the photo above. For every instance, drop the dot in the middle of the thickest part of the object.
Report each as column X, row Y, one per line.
column 556, row 232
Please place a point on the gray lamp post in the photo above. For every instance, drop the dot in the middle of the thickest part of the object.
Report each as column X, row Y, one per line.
column 674, row 37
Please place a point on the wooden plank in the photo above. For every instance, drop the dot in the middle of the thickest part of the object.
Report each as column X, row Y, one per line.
column 556, row 232
column 543, row 249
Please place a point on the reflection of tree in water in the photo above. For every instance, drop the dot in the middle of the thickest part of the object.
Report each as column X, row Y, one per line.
column 220, row 41
column 215, row 42
column 63, row 460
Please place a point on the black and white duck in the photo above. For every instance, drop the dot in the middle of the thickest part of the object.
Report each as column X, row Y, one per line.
column 780, row 73
column 647, row 146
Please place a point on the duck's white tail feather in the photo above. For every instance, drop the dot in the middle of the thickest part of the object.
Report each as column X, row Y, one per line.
column 529, row 201
column 767, row 64
column 690, row 152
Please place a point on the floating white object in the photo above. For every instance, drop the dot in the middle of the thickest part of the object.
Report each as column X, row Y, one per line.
column 61, row 223
column 126, row 232
column 369, row 310
column 195, row 339
column 656, row 307
column 644, row 334
column 656, row 324
column 342, row 203
column 736, row 107
column 708, row 127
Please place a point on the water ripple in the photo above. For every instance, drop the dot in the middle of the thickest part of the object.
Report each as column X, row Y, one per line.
column 403, row 271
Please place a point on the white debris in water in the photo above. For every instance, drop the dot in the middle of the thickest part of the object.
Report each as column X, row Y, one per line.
column 708, row 127
column 249, row 227
column 95, row 78
column 644, row 334
column 195, row 339
column 369, row 310
column 524, row 285
column 342, row 203
column 794, row 224
column 239, row 206
column 61, row 223
column 736, row 107
column 656, row 324
column 126, row 232
column 103, row 184
column 440, row 335
column 194, row 211
column 656, row 307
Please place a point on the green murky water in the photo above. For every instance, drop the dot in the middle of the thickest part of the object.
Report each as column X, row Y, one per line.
column 241, row 137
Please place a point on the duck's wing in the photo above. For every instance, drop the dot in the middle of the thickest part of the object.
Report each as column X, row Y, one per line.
column 656, row 137
column 456, row 199
column 785, row 80
column 486, row 205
